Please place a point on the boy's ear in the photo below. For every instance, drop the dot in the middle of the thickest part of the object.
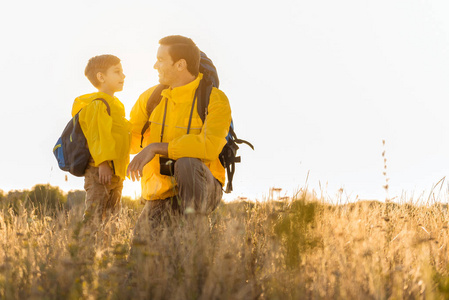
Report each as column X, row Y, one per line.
column 100, row 77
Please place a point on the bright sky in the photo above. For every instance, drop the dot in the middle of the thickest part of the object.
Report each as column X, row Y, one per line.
column 314, row 85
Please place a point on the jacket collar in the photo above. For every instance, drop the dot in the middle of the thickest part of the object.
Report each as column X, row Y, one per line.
column 105, row 96
column 183, row 93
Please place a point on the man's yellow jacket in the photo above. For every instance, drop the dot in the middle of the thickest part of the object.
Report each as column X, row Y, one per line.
column 108, row 136
column 204, row 141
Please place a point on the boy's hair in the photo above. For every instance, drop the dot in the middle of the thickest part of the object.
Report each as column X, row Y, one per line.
column 182, row 47
column 100, row 63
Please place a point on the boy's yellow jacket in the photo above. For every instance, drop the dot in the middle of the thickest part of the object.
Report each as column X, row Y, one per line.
column 108, row 137
column 204, row 141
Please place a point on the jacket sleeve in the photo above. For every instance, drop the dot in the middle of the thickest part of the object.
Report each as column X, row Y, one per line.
column 138, row 118
column 208, row 144
column 97, row 127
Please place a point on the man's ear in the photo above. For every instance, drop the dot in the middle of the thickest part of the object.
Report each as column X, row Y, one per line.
column 181, row 64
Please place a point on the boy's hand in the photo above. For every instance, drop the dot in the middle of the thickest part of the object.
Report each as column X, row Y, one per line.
column 105, row 173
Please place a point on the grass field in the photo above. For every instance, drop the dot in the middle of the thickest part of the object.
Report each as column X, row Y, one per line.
column 300, row 248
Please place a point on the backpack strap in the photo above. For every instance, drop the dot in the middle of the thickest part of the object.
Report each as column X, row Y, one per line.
column 108, row 108
column 155, row 98
column 153, row 101
column 237, row 140
column 204, row 90
column 191, row 111
column 230, row 172
column 163, row 120
column 228, row 157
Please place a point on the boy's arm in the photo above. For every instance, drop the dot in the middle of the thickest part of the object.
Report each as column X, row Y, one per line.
column 97, row 127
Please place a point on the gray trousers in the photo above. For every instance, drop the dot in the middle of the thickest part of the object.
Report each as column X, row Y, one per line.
column 198, row 192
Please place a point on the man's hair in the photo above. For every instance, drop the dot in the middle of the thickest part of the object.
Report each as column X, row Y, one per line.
column 181, row 47
column 100, row 63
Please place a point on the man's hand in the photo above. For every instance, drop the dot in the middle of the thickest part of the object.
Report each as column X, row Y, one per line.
column 135, row 168
column 105, row 173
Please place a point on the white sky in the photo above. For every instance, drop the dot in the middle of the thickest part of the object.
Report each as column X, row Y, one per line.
column 314, row 85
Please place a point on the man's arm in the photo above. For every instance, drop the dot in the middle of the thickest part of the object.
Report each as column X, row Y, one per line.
column 207, row 144
column 135, row 168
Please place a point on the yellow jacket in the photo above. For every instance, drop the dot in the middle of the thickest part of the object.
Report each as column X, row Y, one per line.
column 205, row 141
column 108, row 137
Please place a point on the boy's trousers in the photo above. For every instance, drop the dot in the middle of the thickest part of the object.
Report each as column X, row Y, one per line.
column 199, row 192
column 102, row 200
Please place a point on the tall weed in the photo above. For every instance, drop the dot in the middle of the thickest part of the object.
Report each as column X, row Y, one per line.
column 299, row 248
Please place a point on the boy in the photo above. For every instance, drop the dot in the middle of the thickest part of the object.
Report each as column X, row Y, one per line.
column 108, row 138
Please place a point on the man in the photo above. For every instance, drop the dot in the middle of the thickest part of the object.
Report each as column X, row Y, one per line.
column 177, row 132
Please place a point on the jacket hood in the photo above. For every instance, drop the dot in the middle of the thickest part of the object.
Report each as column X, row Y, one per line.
column 84, row 100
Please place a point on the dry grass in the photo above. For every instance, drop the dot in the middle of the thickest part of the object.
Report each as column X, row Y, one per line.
column 292, row 249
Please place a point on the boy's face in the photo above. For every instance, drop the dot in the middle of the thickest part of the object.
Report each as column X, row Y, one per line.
column 165, row 66
column 113, row 79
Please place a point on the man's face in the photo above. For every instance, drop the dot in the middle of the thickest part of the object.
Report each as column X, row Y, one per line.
column 168, row 73
column 114, row 78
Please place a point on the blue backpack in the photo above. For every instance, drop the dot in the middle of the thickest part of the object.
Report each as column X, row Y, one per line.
column 228, row 156
column 71, row 150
